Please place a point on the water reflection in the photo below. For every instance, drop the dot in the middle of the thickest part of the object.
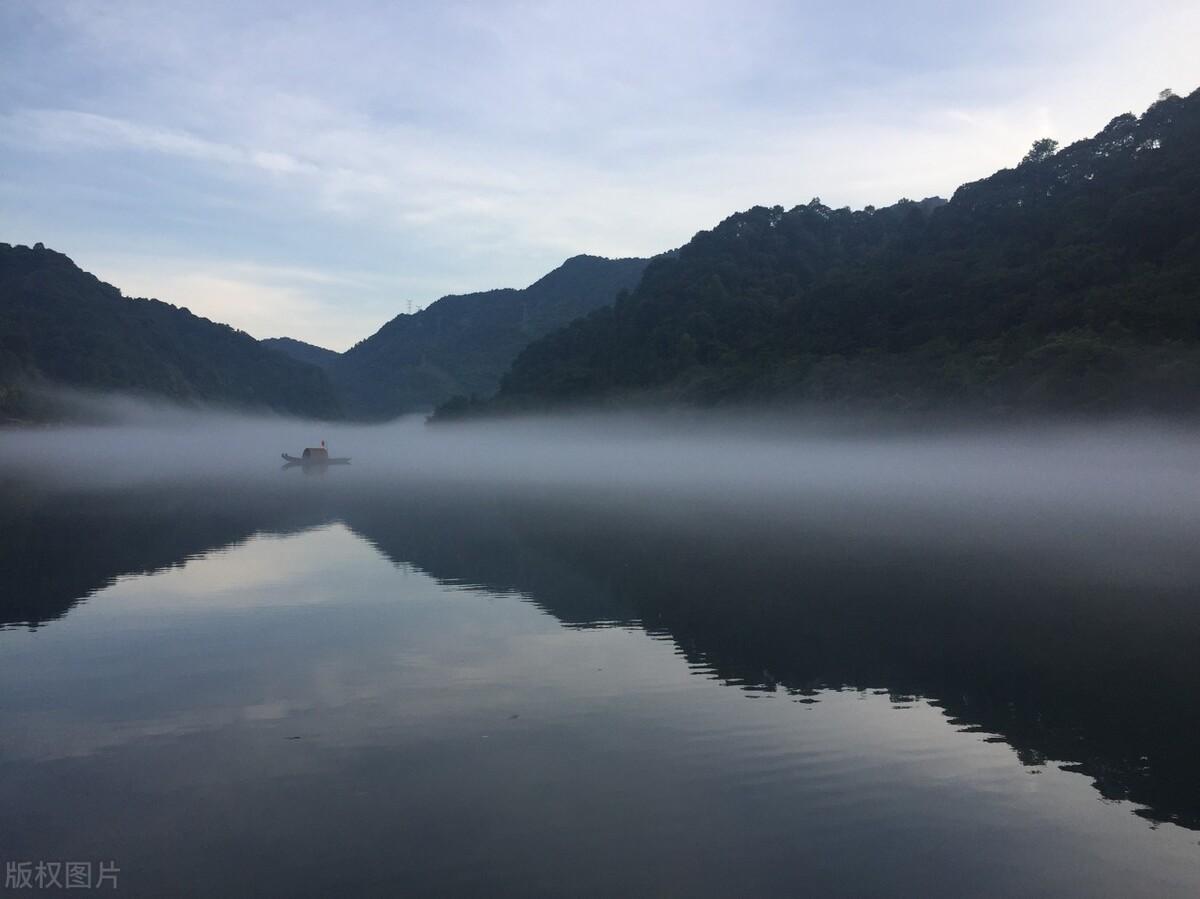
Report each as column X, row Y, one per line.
column 1096, row 675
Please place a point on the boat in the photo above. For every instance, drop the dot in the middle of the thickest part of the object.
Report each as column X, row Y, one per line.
column 314, row 456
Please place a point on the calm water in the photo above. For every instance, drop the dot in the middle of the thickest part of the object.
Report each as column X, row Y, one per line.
column 322, row 687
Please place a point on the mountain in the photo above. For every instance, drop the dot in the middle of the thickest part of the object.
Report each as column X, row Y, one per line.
column 1071, row 281
column 301, row 351
column 463, row 344
column 60, row 325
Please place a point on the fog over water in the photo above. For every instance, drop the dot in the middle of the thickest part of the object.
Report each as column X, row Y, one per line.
column 1118, row 500
column 491, row 655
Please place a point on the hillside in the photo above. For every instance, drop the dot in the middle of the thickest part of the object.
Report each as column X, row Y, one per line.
column 463, row 344
column 60, row 325
column 301, row 351
column 1071, row 281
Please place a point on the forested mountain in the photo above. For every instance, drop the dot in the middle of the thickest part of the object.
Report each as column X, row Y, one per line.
column 60, row 325
column 304, row 352
column 463, row 344
column 1071, row 281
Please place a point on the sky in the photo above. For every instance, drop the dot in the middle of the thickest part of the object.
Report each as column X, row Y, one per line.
column 312, row 169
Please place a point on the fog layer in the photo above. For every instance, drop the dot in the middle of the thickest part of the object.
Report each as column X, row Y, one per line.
column 1115, row 501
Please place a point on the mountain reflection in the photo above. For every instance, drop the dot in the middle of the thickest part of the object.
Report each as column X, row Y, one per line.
column 1099, row 676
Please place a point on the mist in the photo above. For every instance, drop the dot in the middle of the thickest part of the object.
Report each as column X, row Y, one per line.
column 1118, row 501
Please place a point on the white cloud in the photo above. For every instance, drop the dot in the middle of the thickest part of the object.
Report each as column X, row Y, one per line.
column 450, row 148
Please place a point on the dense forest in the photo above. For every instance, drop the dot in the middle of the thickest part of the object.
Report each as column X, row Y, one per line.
column 463, row 344
column 1071, row 281
column 61, row 326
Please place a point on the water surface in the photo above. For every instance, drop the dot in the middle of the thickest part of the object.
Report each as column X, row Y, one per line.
column 339, row 685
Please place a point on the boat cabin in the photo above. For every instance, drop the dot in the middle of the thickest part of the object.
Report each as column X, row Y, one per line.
column 315, row 454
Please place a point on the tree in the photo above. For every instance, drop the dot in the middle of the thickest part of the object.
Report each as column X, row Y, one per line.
column 1072, row 281
column 1043, row 148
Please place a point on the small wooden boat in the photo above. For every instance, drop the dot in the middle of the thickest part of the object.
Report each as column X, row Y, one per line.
column 315, row 456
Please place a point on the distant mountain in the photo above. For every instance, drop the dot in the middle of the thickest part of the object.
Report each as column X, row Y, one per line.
column 463, row 344
column 60, row 325
column 1071, row 281
column 301, row 351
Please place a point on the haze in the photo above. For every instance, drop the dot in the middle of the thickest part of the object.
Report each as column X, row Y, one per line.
column 1113, row 501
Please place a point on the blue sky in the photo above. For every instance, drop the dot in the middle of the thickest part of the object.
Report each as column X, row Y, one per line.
column 309, row 168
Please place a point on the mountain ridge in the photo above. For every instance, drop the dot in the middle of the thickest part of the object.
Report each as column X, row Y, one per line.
column 302, row 351
column 1067, row 282
column 463, row 343
column 63, row 327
